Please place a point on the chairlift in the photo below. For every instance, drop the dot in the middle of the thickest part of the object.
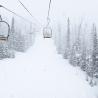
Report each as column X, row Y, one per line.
column 47, row 31
column 4, row 30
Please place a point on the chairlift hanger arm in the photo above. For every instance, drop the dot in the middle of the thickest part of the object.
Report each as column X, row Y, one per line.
column 49, row 9
column 48, row 16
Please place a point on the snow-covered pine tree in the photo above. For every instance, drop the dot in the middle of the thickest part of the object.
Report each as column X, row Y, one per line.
column 19, row 42
column 11, row 39
column 75, row 54
column 59, row 38
column 93, row 66
column 67, row 50
column 12, row 34
column 72, row 59
column 95, row 51
column 13, row 25
column 83, row 56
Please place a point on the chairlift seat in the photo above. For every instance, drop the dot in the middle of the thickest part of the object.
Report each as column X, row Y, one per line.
column 4, row 30
column 2, row 38
column 47, row 32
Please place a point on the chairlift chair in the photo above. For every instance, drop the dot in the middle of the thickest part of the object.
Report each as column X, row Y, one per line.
column 4, row 30
column 47, row 32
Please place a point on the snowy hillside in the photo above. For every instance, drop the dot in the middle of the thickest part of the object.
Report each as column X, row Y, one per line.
column 42, row 73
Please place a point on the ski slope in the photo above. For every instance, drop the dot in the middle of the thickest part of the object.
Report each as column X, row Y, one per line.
column 42, row 73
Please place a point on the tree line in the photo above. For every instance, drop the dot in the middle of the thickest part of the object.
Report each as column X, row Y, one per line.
column 19, row 40
column 82, row 51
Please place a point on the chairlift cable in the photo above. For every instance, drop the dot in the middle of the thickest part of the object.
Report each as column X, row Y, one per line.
column 14, row 13
column 25, row 8
column 28, row 11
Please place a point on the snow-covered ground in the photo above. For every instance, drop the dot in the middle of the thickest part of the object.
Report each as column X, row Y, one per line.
column 42, row 73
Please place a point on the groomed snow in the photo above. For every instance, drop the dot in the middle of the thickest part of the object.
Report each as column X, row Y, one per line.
column 42, row 73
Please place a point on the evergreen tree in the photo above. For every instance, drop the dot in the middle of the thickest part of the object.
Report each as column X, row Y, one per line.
column 59, row 39
column 67, row 50
column 83, row 57
column 93, row 66
column 95, row 51
column 75, row 54
column 11, row 39
column 12, row 33
column 68, row 34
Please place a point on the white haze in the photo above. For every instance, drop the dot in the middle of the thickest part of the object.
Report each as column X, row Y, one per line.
column 60, row 9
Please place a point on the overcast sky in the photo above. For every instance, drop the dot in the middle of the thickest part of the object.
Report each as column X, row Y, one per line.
column 59, row 8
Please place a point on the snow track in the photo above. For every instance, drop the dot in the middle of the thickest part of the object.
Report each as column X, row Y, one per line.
column 42, row 73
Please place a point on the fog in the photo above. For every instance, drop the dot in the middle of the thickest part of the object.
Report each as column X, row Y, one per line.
column 60, row 9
